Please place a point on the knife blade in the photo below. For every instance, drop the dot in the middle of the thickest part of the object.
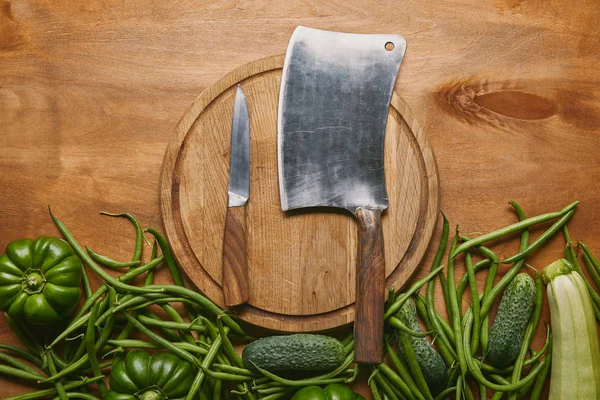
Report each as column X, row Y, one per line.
column 235, row 282
column 333, row 106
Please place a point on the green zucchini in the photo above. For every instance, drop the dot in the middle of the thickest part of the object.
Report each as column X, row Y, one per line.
column 575, row 373
column 429, row 360
column 300, row 352
column 514, row 312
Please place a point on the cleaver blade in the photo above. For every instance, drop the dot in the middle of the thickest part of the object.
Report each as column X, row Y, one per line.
column 333, row 106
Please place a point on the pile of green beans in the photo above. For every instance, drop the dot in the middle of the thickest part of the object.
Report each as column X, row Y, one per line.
column 119, row 316
column 462, row 340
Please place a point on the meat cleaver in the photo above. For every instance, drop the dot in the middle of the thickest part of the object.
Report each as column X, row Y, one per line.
column 333, row 105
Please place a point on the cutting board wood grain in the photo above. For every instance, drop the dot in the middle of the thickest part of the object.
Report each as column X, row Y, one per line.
column 302, row 264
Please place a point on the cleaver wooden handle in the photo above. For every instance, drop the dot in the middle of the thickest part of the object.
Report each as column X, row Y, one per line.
column 370, row 289
column 236, row 288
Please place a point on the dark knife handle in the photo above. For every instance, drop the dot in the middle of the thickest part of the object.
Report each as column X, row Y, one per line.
column 370, row 289
column 236, row 288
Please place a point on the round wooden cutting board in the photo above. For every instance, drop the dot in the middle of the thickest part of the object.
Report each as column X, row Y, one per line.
column 302, row 264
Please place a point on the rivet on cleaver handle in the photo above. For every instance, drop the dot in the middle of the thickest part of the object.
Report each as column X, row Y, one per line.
column 236, row 285
column 333, row 106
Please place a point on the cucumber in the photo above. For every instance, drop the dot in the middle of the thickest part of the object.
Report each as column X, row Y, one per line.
column 430, row 362
column 514, row 312
column 299, row 352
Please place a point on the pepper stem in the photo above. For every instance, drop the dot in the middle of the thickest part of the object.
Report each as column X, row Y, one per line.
column 152, row 394
column 33, row 282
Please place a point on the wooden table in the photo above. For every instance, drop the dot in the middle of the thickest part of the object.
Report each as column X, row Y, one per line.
column 90, row 92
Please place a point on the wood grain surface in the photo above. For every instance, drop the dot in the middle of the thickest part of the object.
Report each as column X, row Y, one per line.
column 508, row 92
column 293, row 255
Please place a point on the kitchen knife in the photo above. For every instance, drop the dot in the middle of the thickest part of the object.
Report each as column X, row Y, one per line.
column 236, row 288
column 333, row 106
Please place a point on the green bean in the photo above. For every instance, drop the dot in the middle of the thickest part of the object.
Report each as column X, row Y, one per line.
column 127, row 277
column 204, row 303
column 536, row 392
column 25, row 355
column 399, row 325
column 396, row 380
column 60, row 389
column 163, row 300
column 464, row 281
column 181, row 326
column 178, row 319
column 19, row 373
column 442, row 395
column 90, row 345
column 528, row 337
column 412, row 290
column 444, row 284
column 276, row 396
column 293, row 383
column 228, row 346
column 150, row 276
column 590, row 257
column 162, row 341
column 391, row 297
column 117, row 283
column 199, row 379
column 76, row 324
column 225, row 376
column 491, row 369
column 168, row 255
column 591, row 270
column 374, row 389
column 78, row 395
column 386, row 388
column 411, row 360
column 271, row 390
column 572, row 256
column 85, row 280
column 513, row 228
column 109, row 262
column 217, row 390
column 234, row 370
column 430, row 302
column 541, row 239
column 456, row 313
column 141, row 344
column 447, row 353
column 476, row 371
column 137, row 252
column 168, row 333
column 402, row 370
column 50, row 392
column 474, row 303
column 19, row 364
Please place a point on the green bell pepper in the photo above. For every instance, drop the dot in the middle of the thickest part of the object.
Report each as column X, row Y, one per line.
column 144, row 376
column 334, row 391
column 39, row 280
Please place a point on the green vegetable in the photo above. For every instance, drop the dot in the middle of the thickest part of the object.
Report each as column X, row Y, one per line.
column 300, row 352
column 145, row 376
column 428, row 360
column 334, row 391
column 39, row 280
column 514, row 312
column 575, row 373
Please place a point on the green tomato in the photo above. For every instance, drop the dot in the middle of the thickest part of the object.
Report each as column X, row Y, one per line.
column 145, row 376
column 335, row 391
column 39, row 280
